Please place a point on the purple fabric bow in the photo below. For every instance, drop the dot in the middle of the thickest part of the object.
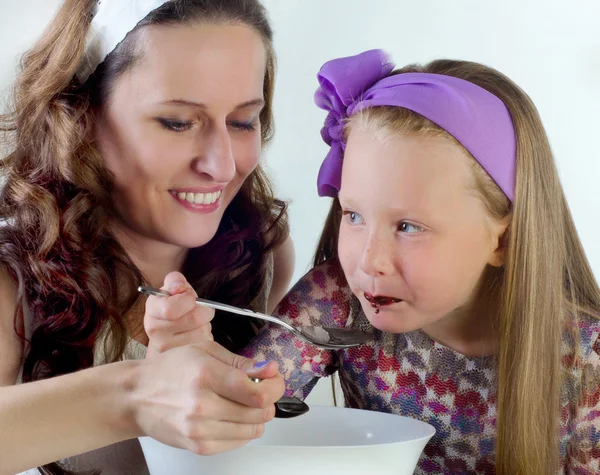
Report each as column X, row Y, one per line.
column 474, row 116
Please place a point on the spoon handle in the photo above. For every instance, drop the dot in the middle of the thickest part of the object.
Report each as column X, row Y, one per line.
column 220, row 306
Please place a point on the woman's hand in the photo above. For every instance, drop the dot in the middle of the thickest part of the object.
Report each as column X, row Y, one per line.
column 200, row 398
column 177, row 320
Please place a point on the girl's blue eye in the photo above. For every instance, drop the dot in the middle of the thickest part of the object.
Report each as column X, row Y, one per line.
column 354, row 217
column 409, row 228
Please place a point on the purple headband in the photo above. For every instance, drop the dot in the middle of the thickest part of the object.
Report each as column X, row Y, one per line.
column 473, row 116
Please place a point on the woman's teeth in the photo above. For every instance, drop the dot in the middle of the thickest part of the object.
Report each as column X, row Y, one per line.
column 199, row 198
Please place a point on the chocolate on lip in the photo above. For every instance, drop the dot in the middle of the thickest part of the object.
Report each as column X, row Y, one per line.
column 380, row 301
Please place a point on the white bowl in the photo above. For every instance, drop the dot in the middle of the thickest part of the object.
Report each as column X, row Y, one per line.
column 326, row 440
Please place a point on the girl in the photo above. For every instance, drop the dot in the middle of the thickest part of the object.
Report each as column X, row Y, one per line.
column 450, row 236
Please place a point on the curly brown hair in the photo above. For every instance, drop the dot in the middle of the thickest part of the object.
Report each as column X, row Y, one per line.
column 73, row 277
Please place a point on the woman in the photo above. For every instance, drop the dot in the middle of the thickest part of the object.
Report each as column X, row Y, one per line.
column 135, row 143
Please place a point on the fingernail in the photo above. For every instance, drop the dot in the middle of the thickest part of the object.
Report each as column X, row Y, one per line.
column 176, row 286
column 261, row 364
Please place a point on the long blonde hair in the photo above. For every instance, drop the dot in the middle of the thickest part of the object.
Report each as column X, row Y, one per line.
column 545, row 284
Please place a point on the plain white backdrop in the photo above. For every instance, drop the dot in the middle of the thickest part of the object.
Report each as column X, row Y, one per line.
column 549, row 47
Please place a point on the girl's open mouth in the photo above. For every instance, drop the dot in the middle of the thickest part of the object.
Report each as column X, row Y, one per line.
column 378, row 301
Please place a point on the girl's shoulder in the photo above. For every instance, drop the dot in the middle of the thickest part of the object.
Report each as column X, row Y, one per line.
column 325, row 280
column 581, row 353
column 321, row 294
column 589, row 336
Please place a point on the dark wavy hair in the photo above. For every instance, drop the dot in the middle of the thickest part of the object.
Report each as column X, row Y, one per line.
column 73, row 276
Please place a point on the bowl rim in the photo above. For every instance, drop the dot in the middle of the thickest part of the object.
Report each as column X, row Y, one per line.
column 430, row 429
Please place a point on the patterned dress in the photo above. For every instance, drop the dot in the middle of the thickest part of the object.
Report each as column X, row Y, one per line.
column 412, row 375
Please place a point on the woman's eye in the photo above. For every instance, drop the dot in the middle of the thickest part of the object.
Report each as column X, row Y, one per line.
column 175, row 125
column 244, row 126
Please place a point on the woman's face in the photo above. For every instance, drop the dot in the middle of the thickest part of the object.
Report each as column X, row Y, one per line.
column 180, row 130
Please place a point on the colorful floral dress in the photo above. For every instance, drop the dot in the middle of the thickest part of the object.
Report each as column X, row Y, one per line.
column 412, row 375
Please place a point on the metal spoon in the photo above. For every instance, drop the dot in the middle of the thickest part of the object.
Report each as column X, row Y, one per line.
column 288, row 407
column 326, row 338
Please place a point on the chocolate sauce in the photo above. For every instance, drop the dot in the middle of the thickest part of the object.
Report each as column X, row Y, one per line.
column 380, row 301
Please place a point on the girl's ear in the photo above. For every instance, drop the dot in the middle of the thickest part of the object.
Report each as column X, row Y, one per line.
column 499, row 234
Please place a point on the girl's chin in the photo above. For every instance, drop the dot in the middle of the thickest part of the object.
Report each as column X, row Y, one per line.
column 390, row 320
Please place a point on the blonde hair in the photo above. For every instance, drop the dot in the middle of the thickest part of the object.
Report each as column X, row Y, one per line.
column 545, row 284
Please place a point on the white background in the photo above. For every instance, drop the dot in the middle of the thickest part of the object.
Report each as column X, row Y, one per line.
column 551, row 48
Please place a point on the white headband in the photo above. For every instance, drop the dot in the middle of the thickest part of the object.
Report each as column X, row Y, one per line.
column 112, row 20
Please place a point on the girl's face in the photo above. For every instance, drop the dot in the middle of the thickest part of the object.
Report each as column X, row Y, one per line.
column 415, row 237
column 181, row 130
